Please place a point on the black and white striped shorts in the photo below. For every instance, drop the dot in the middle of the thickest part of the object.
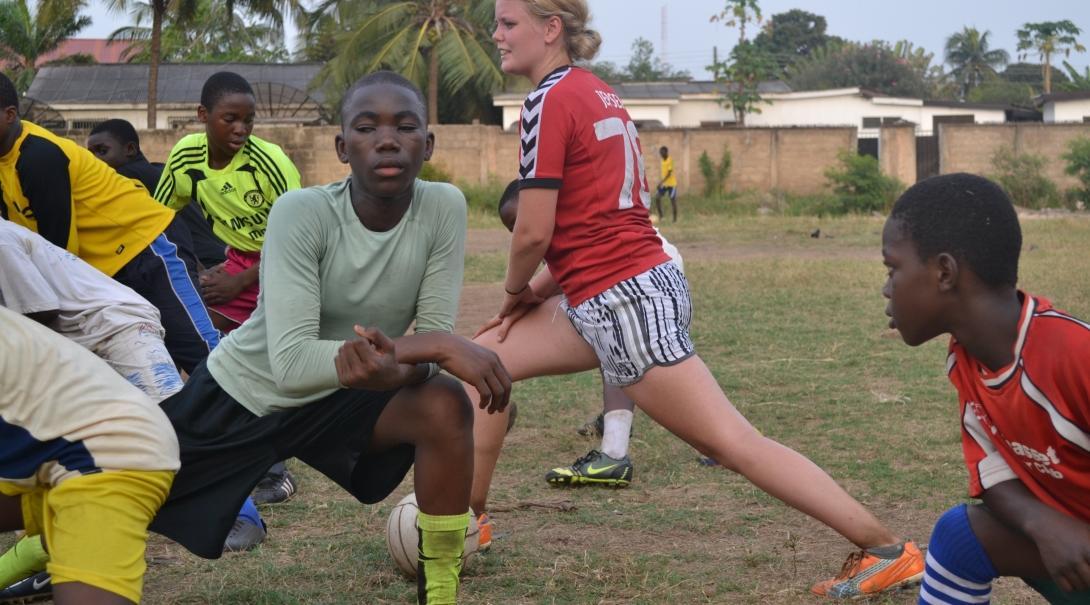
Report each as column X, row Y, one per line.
column 637, row 324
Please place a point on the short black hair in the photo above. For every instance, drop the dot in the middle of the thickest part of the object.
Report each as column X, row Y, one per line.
column 386, row 77
column 510, row 194
column 967, row 216
column 221, row 84
column 9, row 97
column 122, row 130
column 663, row 148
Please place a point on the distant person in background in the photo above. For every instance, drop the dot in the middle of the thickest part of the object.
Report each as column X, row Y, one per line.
column 116, row 143
column 668, row 184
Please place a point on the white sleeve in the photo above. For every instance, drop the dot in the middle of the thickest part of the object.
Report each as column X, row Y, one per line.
column 23, row 288
column 992, row 468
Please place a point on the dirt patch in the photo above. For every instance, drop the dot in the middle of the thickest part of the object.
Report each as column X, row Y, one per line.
column 478, row 304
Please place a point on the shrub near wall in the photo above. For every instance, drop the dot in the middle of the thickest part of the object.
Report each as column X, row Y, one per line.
column 1022, row 175
column 859, row 186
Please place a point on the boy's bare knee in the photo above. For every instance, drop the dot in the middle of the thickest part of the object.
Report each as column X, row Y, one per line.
column 445, row 405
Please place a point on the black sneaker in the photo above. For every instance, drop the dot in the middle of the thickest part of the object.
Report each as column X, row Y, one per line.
column 37, row 587
column 245, row 535
column 274, row 489
column 595, row 427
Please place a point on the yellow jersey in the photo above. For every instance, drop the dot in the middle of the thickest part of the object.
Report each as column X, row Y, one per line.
column 55, row 187
column 669, row 177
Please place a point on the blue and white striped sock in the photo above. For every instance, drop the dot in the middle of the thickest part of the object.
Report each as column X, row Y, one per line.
column 958, row 572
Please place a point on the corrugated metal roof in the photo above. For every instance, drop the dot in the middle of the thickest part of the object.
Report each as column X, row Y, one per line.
column 178, row 83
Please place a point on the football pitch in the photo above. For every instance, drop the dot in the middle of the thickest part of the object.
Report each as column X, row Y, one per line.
column 793, row 328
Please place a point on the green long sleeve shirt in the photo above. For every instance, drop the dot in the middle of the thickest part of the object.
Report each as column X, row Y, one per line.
column 323, row 272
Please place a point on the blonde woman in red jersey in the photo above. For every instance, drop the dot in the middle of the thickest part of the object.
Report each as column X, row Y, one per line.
column 583, row 210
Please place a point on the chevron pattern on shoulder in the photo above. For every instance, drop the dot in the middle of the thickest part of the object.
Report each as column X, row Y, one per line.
column 530, row 123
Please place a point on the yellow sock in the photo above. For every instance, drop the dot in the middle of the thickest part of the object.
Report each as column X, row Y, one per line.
column 442, row 540
column 27, row 557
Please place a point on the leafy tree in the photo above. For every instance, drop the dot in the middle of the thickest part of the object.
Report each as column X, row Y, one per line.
column 971, row 59
column 998, row 90
column 25, row 35
column 892, row 70
column 443, row 45
column 608, row 71
column 1032, row 75
column 737, row 13
column 793, row 35
column 1079, row 81
column 183, row 10
column 644, row 66
column 1048, row 38
column 210, row 35
column 747, row 65
column 747, row 68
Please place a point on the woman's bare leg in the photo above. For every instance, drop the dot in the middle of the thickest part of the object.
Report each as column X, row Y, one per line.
column 687, row 401
column 543, row 343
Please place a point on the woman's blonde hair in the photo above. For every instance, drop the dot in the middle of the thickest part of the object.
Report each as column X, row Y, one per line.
column 582, row 42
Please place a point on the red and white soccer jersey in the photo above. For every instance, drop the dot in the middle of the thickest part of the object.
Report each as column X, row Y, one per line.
column 1031, row 419
column 578, row 138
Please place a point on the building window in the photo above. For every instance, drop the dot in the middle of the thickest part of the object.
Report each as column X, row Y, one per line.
column 86, row 124
column 878, row 122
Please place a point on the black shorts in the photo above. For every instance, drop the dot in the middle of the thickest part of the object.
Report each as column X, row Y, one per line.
column 226, row 450
column 165, row 273
column 670, row 192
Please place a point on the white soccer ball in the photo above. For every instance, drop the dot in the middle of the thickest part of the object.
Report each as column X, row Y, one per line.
column 403, row 537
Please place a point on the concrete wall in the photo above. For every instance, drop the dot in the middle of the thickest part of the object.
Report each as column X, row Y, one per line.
column 970, row 147
column 897, row 152
column 793, row 160
column 789, row 159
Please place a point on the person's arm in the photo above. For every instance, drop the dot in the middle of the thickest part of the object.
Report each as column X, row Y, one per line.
column 1063, row 541
column 437, row 307
column 301, row 362
column 533, row 233
column 43, row 170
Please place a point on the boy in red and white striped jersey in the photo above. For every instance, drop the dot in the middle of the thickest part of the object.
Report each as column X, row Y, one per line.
column 1022, row 372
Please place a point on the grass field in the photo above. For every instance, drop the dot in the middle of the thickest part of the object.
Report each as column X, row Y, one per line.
column 794, row 330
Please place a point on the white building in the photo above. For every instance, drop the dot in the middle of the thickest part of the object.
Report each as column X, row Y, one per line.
column 1065, row 106
column 695, row 104
column 85, row 95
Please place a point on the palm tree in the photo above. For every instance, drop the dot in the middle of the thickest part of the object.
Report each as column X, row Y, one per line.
column 25, row 36
column 210, row 35
column 183, row 10
column 971, row 60
column 436, row 43
column 1048, row 38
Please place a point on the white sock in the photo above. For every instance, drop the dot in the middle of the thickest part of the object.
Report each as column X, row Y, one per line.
column 618, row 424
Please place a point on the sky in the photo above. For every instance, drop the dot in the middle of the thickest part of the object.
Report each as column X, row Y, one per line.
column 690, row 37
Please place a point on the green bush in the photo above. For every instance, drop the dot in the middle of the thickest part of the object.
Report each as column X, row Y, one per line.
column 1022, row 175
column 434, row 173
column 715, row 176
column 484, row 198
column 1078, row 165
column 859, row 186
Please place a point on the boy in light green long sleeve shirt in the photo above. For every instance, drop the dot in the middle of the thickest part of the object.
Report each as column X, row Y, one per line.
column 304, row 377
